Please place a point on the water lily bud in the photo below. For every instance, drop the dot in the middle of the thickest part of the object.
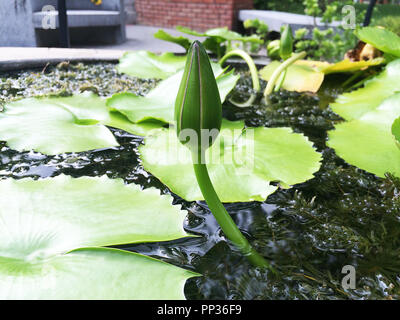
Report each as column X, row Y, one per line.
column 198, row 110
column 286, row 48
column 273, row 49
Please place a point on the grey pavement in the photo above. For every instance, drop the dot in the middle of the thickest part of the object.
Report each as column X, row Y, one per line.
column 138, row 38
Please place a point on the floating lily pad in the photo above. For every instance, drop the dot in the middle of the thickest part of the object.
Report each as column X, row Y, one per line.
column 367, row 142
column 356, row 103
column 298, row 77
column 241, row 163
column 159, row 103
column 51, row 231
column 308, row 75
column 145, row 64
column 215, row 38
column 341, row 66
column 396, row 131
column 56, row 125
column 382, row 39
column 350, row 66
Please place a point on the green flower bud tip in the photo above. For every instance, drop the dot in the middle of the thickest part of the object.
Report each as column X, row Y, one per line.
column 273, row 49
column 286, row 48
column 198, row 110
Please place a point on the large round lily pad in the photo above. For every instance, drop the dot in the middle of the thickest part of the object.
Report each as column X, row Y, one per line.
column 367, row 142
column 354, row 104
column 159, row 103
column 54, row 125
column 241, row 163
column 145, row 64
column 51, row 231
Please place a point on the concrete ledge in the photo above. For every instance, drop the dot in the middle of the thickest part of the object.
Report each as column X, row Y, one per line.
column 14, row 58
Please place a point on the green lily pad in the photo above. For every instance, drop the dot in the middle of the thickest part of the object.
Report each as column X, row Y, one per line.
column 241, row 162
column 159, row 103
column 299, row 77
column 382, row 39
column 343, row 66
column 396, row 131
column 356, row 103
column 51, row 231
column 146, row 65
column 214, row 38
column 54, row 125
column 367, row 142
column 350, row 66
column 182, row 41
column 307, row 75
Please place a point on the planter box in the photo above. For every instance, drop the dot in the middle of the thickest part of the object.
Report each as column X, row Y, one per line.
column 196, row 14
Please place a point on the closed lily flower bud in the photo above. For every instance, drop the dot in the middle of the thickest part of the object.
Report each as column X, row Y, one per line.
column 286, row 48
column 198, row 110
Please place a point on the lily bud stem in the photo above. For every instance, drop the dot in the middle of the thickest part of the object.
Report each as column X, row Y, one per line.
column 227, row 224
column 254, row 75
column 276, row 74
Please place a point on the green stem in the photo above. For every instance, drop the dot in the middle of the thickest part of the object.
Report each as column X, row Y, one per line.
column 361, row 82
column 276, row 74
column 280, row 81
column 351, row 79
column 225, row 221
column 253, row 71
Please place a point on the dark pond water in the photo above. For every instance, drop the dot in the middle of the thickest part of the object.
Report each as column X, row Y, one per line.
column 344, row 216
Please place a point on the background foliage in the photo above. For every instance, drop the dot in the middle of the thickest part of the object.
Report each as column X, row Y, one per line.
column 326, row 44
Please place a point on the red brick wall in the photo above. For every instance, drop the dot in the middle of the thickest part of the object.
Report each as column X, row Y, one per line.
column 196, row 14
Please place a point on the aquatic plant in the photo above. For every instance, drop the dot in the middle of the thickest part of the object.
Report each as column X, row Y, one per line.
column 278, row 76
column 81, row 120
column 78, row 121
column 273, row 49
column 263, row 155
column 54, row 232
column 370, row 112
column 256, row 159
column 382, row 39
column 354, row 104
column 157, row 107
column 214, row 43
column 308, row 75
column 146, row 65
column 343, row 215
column 198, row 116
column 218, row 40
column 258, row 27
column 396, row 131
column 253, row 72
